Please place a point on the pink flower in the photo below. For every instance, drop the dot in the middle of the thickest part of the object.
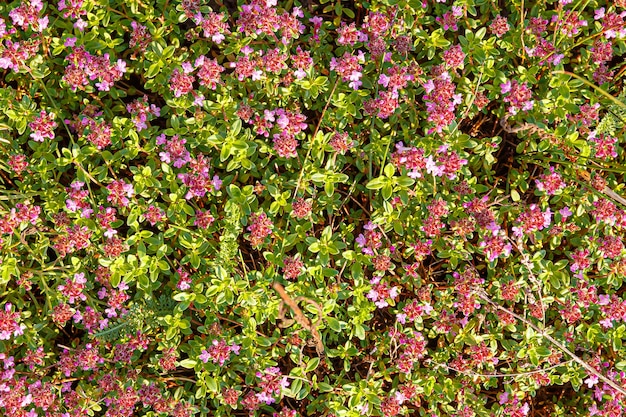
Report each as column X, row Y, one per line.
column 219, row 352
column 119, row 192
column 293, row 267
column 43, row 127
column 174, row 150
column 214, row 26
column 499, row 26
column 184, row 281
column 503, row 398
column 550, row 183
column 181, row 83
column 209, row 72
column 8, row 323
column 495, row 245
column 141, row 110
column 260, row 228
column 381, row 292
column 454, row 56
column 349, row 68
column 348, row 34
column 591, row 381
column 519, row 96
column 73, row 288
column 301, row 208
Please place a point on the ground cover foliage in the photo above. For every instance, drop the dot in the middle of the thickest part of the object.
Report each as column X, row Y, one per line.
column 335, row 208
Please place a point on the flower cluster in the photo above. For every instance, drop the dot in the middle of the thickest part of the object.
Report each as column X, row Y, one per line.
column 413, row 311
column 518, row 96
column 140, row 37
column 181, row 82
column 411, row 158
column 83, row 67
column 531, row 220
column 605, row 145
column 441, row 100
column 15, row 55
column 301, row 208
column 413, row 349
column 349, row 68
column 289, row 124
column 208, row 72
column 260, row 228
column 293, row 267
column 381, row 292
column 272, row 382
column 499, row 26
column 26, row 16
column 141, row 111
column 219, row 352
column 198, row 180
column 73, row 288
column 370, row 240
column 9, row 325
column 120, row 192
column 213, row 26
column 76, row 238
column 184, row 280
column 43, row 126
column 18, row 163
column 449, row 20
column 174, row 150
column 551, row 183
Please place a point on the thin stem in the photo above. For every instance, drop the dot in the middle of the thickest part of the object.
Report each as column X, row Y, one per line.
column 306, row 158
column 521, row 24
column 497, row 375
column 178, row 378
column 317, row 128
column 483, row 295
column 593, row 86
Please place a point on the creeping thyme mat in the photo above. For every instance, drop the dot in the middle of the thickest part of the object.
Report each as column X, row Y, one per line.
column 328, row 209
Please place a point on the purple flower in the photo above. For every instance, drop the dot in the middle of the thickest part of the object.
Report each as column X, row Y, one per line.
column 174, row 150
column 503, row 398
column 591, row 381
column 598, row 14
column 217, row 182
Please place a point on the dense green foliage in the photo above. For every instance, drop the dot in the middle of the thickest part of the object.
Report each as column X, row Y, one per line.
column 340, row 208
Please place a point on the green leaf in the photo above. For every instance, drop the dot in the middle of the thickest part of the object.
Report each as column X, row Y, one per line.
column 168, row 52
column 211, row 384
column 153, row 70
column 195, row 260
column 312, row 365
column 543, row 351
column 389, row 170
column 334, row 324
column 359, row 331
column 329, row 188
column 188, row 363
column 405, row 181
column 387, row 191
column 201, row 392
column 376, row 183
column 324, row 387
column 515, row 195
